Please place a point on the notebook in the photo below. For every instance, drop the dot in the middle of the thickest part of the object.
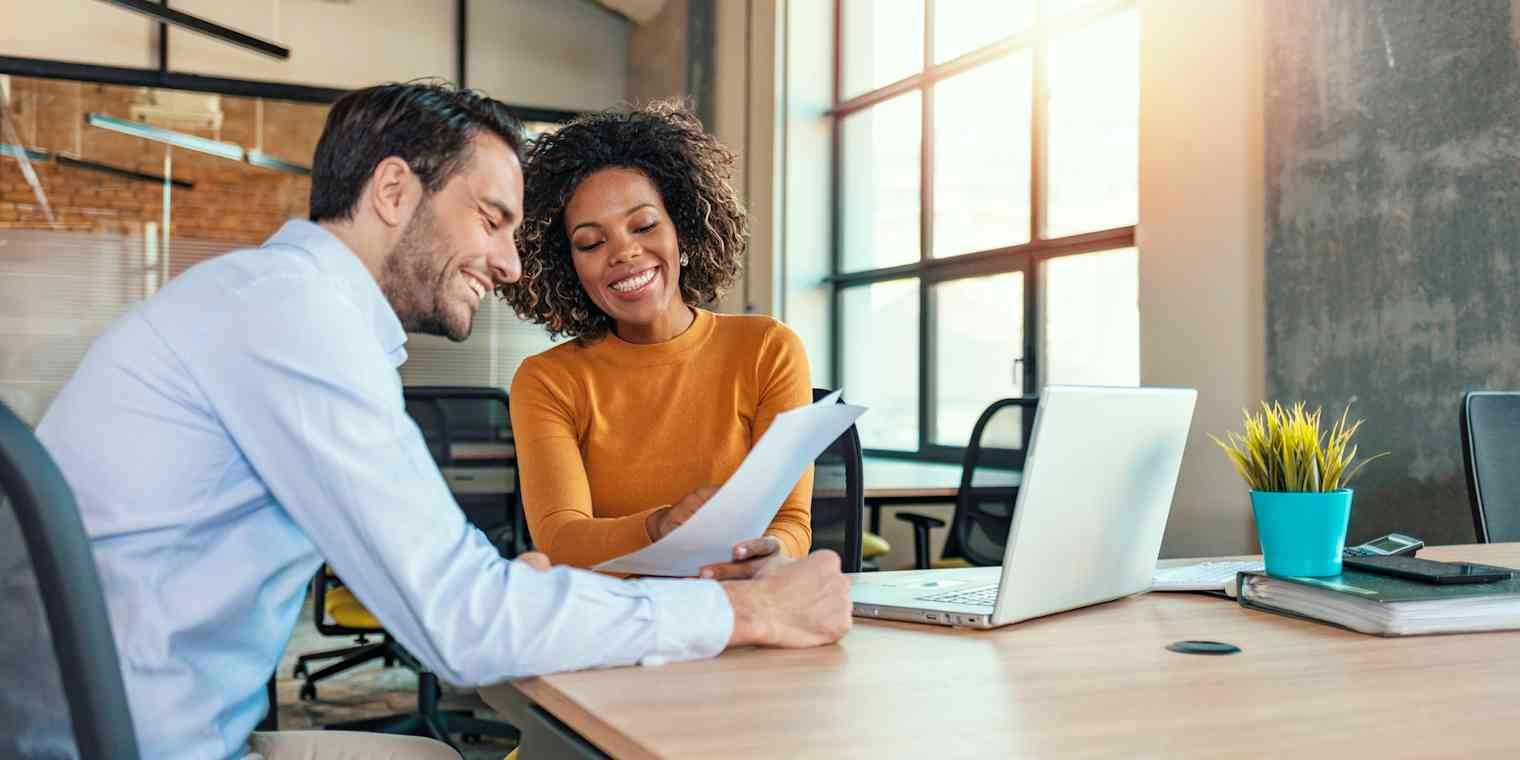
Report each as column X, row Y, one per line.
column 1386, row 606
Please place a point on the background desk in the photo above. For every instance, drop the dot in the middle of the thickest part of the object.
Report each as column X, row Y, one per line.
column 1094, row 682
column 897, row 482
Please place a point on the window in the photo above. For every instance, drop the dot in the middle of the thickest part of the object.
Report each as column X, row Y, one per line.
column 986, row 161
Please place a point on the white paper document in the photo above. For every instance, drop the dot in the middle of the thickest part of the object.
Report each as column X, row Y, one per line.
column 744, row 506
column 1218, row 575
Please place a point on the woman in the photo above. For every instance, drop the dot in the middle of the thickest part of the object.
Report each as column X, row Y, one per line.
column 629, row 225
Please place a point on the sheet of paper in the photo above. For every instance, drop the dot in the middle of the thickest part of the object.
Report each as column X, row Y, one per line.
column 745, row 505
column 1204, row 576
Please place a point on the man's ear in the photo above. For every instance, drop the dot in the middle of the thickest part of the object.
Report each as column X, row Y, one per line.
column 393, row 191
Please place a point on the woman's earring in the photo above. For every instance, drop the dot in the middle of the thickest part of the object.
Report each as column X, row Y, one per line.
column 685, row 259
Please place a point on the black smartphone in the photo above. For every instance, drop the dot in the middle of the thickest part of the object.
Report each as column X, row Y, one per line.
column 1429, row 571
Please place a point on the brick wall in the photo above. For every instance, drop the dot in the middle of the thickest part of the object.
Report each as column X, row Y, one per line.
column 231, row 202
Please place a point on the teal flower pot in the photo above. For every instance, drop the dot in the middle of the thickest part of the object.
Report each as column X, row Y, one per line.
column 1302, row 534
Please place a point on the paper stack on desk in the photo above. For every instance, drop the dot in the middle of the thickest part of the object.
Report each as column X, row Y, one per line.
column 745, row 505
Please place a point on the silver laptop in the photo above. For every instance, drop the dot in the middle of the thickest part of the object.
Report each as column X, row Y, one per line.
column 1097, row 487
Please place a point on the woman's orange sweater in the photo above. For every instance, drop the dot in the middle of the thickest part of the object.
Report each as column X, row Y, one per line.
column 610, row 432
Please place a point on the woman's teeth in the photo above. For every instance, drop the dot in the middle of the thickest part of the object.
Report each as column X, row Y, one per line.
column 635, row 282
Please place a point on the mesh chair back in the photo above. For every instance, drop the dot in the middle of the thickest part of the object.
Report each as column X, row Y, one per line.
column 1490, row 424
column 994, row 459
column 838, row 496
column 469, row 433
column 428, row 414
column 63, row 694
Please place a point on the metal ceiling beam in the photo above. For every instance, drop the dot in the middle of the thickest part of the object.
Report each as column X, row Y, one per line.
column 89, row 72
column 94, row 166
column 202, row 26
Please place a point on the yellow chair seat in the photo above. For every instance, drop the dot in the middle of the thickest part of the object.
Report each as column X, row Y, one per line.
column 872, row 545
column 345, row 610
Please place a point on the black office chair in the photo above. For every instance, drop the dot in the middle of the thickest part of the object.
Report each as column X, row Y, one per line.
column 350, row 618
column 838, row 492
column 68, row 696
column 984, row 503
column 468, row 431
column 1490, row 424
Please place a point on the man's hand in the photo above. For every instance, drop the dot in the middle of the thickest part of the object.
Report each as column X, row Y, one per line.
column 750, row 559
column 666, row 519
column 793, row 605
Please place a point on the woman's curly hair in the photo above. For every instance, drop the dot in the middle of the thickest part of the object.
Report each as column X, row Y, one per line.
column 665, row 142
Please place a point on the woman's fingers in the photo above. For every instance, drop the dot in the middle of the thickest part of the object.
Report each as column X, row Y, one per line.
column 536, row 560
column 750, row 558
column 756, row 547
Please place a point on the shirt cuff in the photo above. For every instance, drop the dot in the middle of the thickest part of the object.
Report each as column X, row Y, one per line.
column 692, row 620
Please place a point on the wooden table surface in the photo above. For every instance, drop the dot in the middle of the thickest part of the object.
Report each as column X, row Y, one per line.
column 1091, row 682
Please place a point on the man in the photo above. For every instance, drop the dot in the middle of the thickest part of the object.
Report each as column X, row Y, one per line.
column 246, row 423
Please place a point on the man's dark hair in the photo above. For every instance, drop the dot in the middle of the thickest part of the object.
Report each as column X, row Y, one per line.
column 428, row 125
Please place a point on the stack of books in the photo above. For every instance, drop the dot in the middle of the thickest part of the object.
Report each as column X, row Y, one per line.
column 1384, row 605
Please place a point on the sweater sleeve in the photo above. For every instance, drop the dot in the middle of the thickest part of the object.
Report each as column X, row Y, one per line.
column 785, row 382
column 556, row 493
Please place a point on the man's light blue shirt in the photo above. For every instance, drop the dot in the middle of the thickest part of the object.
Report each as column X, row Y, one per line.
column 231, row 432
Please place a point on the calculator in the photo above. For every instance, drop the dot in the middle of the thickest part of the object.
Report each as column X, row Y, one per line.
column 1391, row 545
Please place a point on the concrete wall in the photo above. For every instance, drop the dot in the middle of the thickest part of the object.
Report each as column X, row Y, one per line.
column 1200, row 241
column 566, row 54
column 659, row 54
column 1393, row 233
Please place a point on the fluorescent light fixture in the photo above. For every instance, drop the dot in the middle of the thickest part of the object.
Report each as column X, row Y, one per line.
column 258, row 158
column 199, row 25
column 61, row 159
column 166, row 136
column 16, row 151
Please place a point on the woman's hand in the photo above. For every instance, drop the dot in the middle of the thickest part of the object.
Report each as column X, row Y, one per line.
column 751, row 558
column 666, row 519
column 536, row 560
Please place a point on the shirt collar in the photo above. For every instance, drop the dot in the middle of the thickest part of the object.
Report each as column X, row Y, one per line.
column 336, row 259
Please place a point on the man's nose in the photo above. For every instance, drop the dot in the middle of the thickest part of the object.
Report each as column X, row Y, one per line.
column 504, row 263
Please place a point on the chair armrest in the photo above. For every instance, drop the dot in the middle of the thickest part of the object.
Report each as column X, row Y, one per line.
column 921, row 525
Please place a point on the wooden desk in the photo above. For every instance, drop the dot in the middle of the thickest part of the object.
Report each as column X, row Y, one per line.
column 1092, row 682
column 469, row 451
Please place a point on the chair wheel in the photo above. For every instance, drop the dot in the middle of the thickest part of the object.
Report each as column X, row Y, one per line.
column 470, row 738
column 308, row 692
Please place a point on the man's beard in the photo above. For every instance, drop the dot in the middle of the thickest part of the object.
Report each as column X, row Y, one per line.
column 413, row 279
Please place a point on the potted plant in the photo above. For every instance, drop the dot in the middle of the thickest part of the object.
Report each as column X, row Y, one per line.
column 1300, row 478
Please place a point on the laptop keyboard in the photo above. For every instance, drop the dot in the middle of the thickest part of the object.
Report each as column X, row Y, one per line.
column 975, row 597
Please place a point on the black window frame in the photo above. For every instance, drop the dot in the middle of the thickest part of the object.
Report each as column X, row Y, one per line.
column 928, row 270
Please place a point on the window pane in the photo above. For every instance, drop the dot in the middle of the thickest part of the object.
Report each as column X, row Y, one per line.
column 1092, row 319
column 1093, row 141
column 961, row 26
column 978, row 335
column 883, row 42
column 981, row 157
column 880, row 353
column 1055, row 9
column 879, row 163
